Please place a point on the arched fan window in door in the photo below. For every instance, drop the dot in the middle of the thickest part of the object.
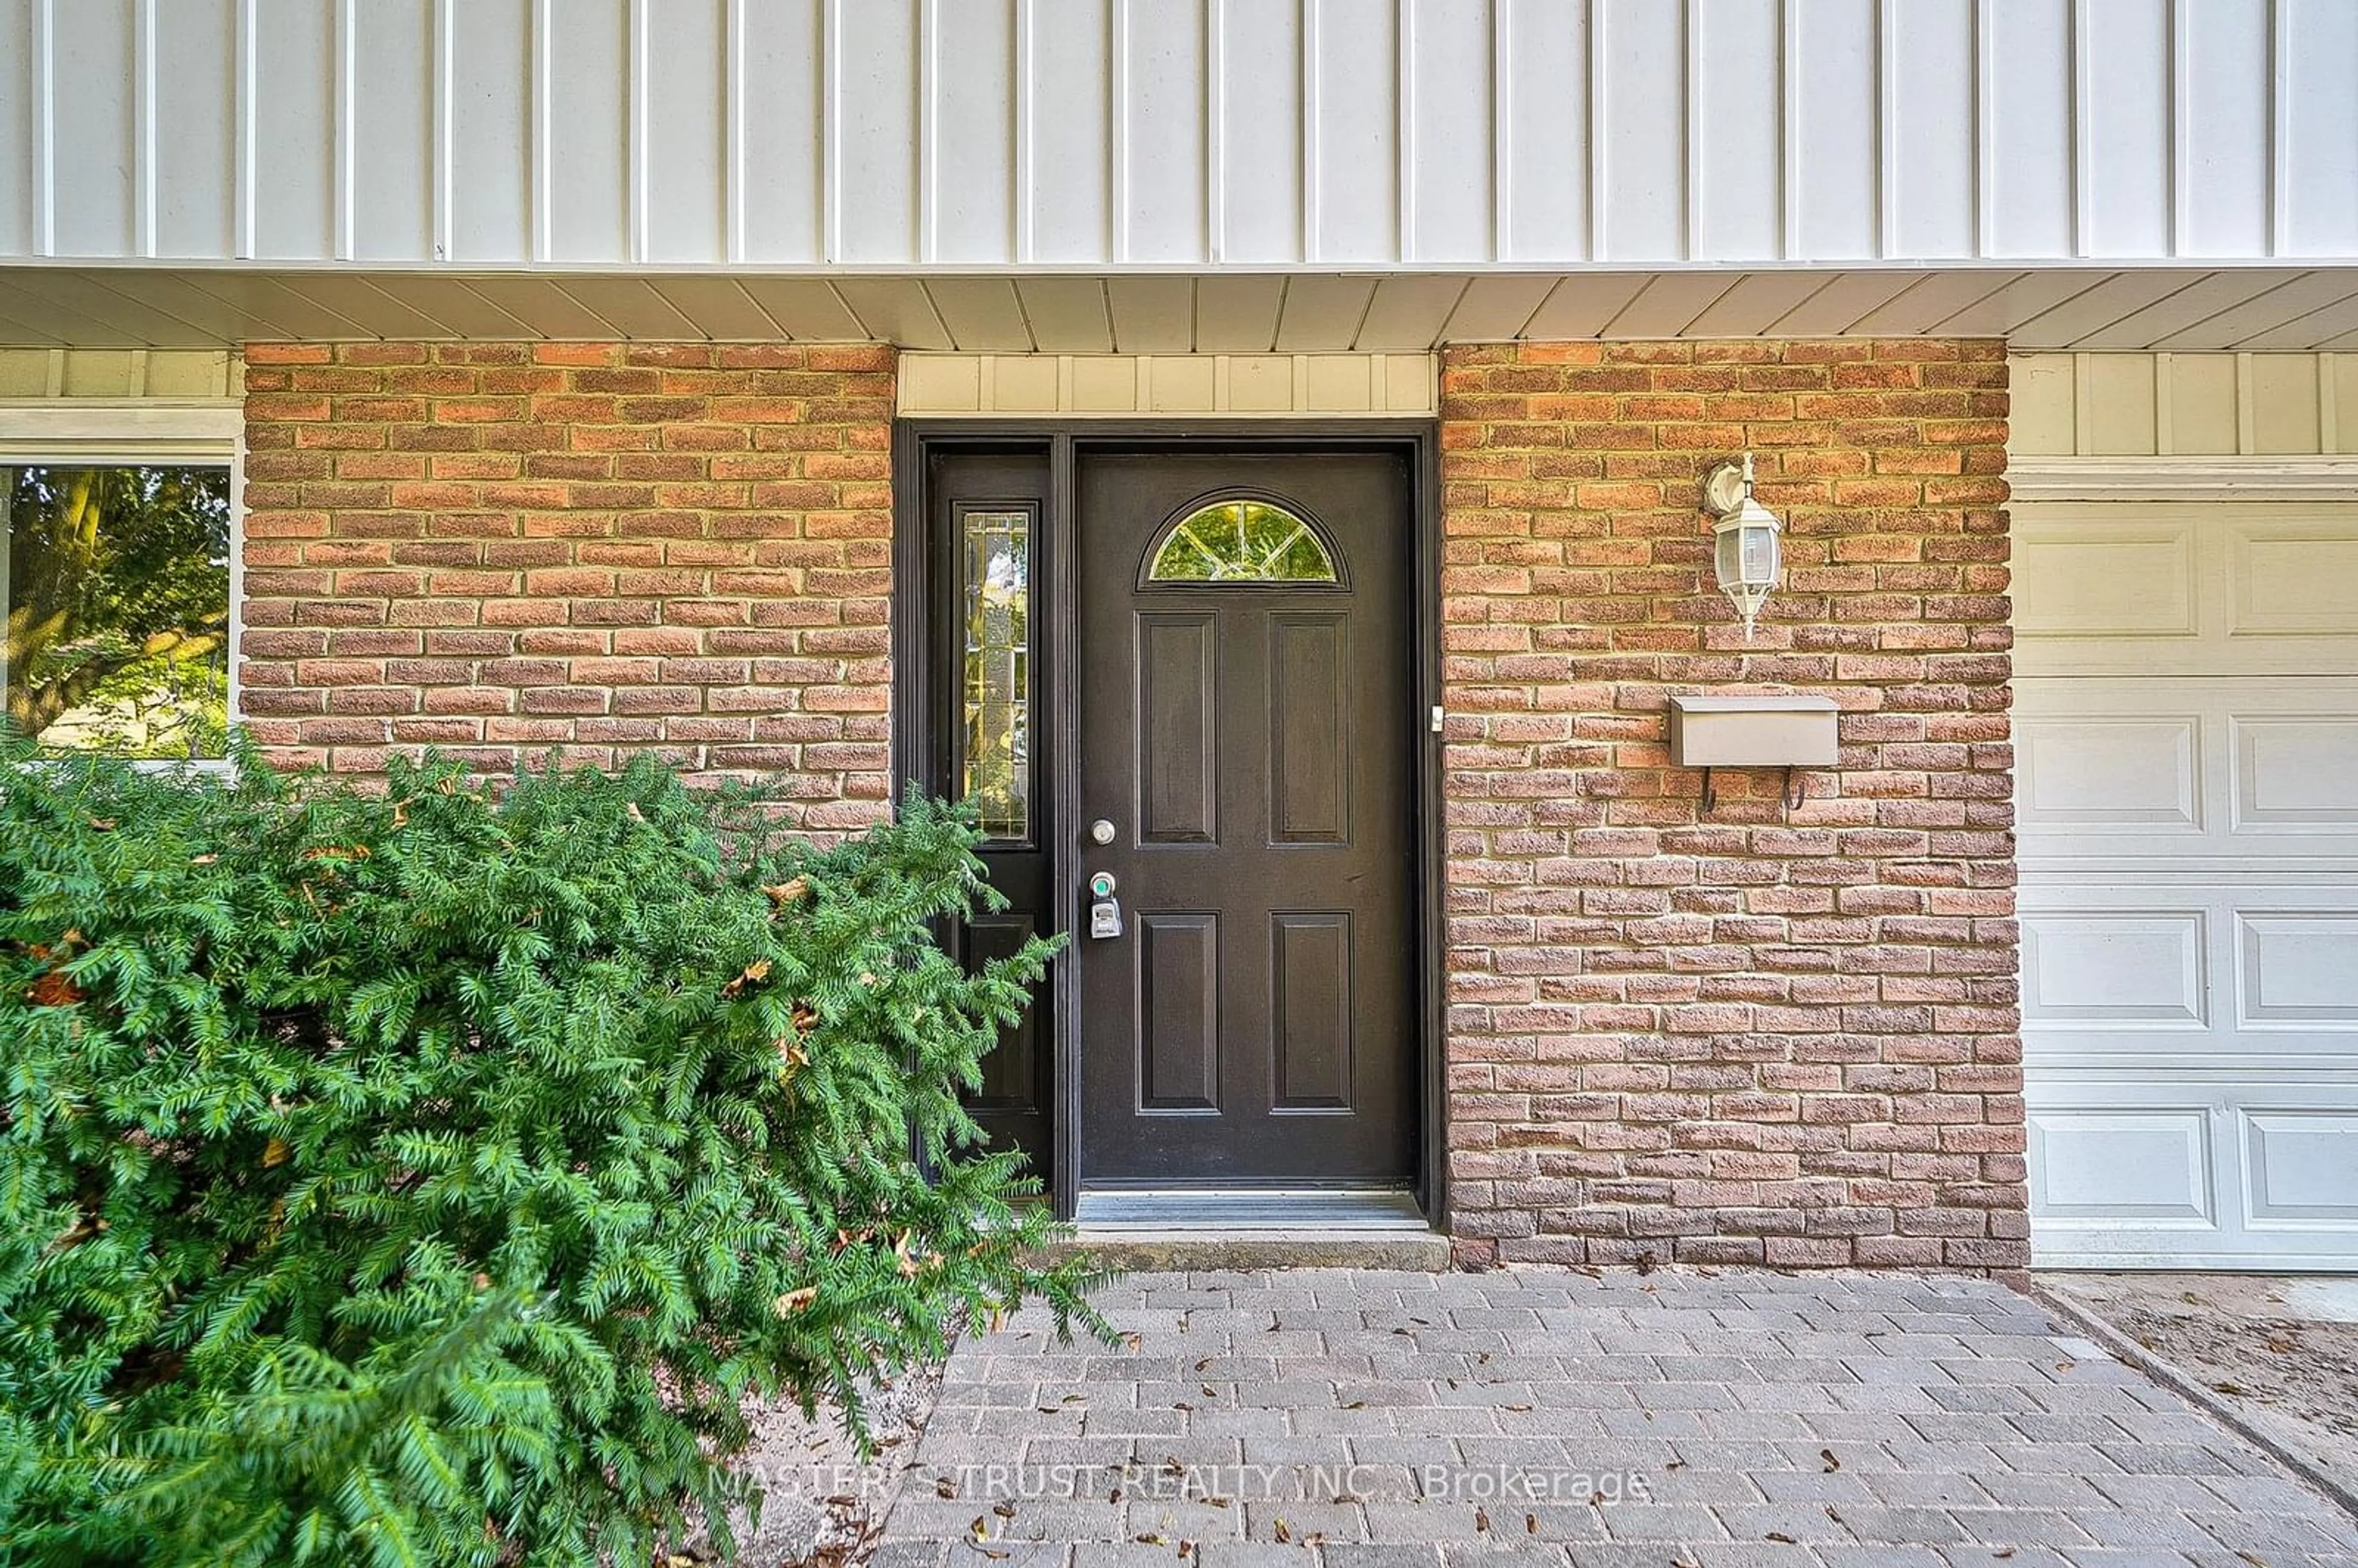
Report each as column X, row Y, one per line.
column 1241, row 541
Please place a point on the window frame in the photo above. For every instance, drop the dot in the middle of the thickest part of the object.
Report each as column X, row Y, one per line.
column 1228, row 496
column 94, row 432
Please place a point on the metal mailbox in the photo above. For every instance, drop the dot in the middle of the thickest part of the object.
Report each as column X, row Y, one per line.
column 1784, row 731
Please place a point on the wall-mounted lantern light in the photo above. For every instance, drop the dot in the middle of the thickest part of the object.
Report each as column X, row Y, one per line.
column 1746, row 538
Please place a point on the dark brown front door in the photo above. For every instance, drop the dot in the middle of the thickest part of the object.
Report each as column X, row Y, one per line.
column 1245, row 673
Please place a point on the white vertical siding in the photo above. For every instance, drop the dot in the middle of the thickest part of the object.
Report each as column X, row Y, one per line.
column 1639, row 128
column 86, row 92
column 872, row 124
column 293, row 162
column 2229, row 128
column 1739, row 209
column 969, row 139
column 1427, row 134
column 1837, row 122
column 1447, row 157
column 1541, row 76
column 1259, row 119
column 1929, row 92
column 2128, row 109
column 2029, row 64
column 195, row 141
column 683, row 156
column 1354, row 173
column 779, row 166
column 2320, row 44
column 482, row 147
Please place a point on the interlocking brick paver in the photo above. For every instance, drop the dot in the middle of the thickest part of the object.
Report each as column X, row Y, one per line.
column 1558, row 1418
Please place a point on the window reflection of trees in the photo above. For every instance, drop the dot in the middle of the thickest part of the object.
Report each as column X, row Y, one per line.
column 117, row 594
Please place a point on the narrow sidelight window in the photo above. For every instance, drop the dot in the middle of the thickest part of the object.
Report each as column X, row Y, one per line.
column 995, row 763
column 116, row 586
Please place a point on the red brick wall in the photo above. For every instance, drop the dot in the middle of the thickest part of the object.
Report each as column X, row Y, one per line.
column 503, row 549
column 1733, row 1037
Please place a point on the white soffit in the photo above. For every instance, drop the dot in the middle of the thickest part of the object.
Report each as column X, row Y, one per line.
column 1114, row 385
column 2057, row 308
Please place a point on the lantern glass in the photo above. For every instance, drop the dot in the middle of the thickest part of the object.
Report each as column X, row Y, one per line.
column 1747, row 558
column 1746, row 554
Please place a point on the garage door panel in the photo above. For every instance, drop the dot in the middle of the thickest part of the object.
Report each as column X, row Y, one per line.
column 2120, row 775
column 2301, row 1168
column 2137, row 968
column 2185, row 588
column 2194, row 1170
column 2295, row 773
column 2293, row 579
column 2120, row 970
column 2298, row 970
column 2252, row 767
column 2129, row 1168
column 2102, row 579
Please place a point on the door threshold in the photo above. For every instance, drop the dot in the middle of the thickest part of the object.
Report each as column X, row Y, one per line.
column 1231, row 1211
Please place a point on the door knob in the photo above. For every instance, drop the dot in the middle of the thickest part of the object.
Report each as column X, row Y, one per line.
column 1101, row 831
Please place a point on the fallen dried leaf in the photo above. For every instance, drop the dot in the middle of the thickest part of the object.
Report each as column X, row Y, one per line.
column 755, row 973
column 52, row 988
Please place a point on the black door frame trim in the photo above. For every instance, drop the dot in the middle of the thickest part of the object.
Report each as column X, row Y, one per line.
column 914, row 742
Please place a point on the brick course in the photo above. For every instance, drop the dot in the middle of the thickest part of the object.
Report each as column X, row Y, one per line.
column 507, row 550
column 1745, row 1036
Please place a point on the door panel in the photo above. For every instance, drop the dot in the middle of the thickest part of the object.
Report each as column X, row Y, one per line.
column 1310, row 957
column 1179, row 1011
column 1178, row 730
column 1309, row 744
column 1246, row 724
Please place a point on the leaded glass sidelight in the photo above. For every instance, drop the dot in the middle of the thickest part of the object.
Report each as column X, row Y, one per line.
column 995, row 552
column 1241, row 541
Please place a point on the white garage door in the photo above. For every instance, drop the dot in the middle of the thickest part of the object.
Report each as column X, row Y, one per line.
column 2187, row 763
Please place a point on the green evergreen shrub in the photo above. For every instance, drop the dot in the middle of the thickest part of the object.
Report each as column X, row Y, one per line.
column 424, row 1177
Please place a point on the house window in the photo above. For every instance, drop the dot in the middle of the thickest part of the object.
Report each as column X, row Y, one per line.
column 116, row 583
column 995, row 741
column 1241, row 541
